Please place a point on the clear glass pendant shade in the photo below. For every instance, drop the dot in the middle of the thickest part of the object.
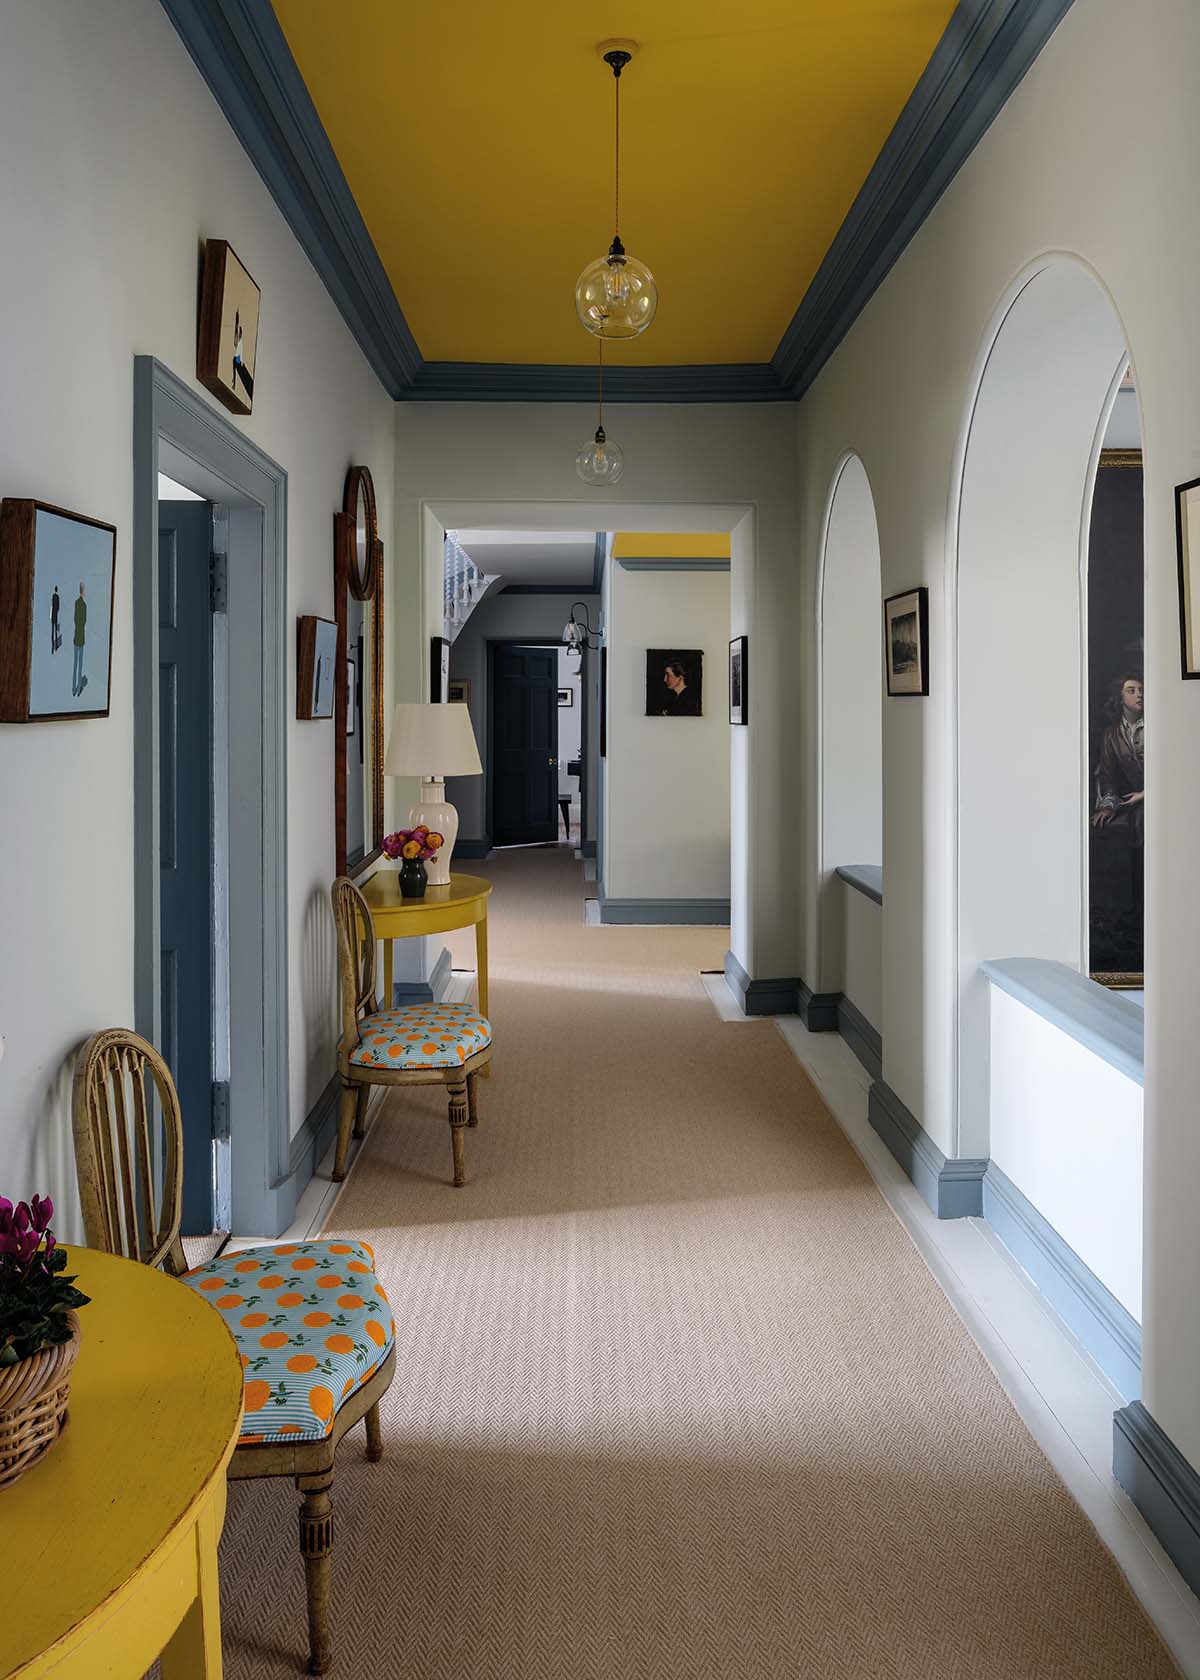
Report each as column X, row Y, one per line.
column 616, row 296
column 599, row 461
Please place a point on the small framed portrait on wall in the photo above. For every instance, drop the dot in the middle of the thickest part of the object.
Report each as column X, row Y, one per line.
column 316, row 652
column 1187, row 541
column 227, row 343
column 439, row 670
column 674, row 682
column 906, row 642
column 460, row 691
column 738, row 674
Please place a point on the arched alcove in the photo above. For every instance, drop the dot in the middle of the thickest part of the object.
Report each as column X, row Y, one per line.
column 1023, row 772
column 851, row 745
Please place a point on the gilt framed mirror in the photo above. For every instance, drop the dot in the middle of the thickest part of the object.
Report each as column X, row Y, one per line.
column 358, row 677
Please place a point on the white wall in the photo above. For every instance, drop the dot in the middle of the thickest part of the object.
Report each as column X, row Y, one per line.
column 898, row 391
column 118, row 164
column 861, row 940
column 666, row 809
column 1067, row 1129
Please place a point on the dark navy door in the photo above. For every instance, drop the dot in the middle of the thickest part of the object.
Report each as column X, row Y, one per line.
column 185, row 833
column 524, row 745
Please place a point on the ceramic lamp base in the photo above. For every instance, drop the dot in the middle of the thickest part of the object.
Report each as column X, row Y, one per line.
column 435, row 811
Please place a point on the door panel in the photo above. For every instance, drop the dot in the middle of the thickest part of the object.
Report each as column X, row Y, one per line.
column 524, row 745
column 186, row 820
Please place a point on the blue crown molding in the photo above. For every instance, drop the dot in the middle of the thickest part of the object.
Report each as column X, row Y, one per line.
column 243, row 55
column 985, row 50
column 663, row 563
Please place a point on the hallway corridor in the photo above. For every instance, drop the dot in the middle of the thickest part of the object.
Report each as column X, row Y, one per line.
column 675, row 1394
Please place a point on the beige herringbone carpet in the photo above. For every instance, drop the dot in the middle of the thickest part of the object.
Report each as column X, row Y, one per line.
column 676, row 1397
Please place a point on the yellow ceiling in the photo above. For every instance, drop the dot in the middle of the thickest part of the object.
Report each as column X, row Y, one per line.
column 477, row 140
column 677, row 545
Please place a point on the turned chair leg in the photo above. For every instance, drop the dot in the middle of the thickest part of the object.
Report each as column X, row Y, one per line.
column 458, row 1121
column 473, row 1099
column 316, row 1548
column 374, row 1435
column 360, row 1111
column 346, row 1112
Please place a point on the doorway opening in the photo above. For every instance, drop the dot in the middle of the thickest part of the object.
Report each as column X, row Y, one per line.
column 522, row 758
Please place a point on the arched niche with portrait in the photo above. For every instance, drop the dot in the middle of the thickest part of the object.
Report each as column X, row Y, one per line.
column 358, row 689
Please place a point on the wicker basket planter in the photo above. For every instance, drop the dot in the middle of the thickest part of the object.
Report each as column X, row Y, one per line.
column 33, row 1405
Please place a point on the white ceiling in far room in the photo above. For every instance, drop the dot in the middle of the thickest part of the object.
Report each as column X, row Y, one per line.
column 529, row 558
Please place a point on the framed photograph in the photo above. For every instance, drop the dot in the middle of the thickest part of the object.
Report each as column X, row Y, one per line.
column 604, row 702
column 906, row 642
column 674, row 682
column 739, row 671
column 439, row 670
column 1187, row 542
column 566, row 696
column 316, row 655
column 351, row 694
column 459, row 691
column 227, row 343
column 57, row 574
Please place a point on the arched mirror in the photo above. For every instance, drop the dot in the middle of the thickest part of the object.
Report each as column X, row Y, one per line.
column 358, row 704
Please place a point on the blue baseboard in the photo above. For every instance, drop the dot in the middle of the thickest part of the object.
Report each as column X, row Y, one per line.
column 1162, row 1484
column 312, row 1139
column 473, row 848
column 588, row 848
column 952, row 1187
column 1111, row 1335
column 424, row 991
column 663, row 912
column 759, row 997
column 818, row 1010
column 861, row 1036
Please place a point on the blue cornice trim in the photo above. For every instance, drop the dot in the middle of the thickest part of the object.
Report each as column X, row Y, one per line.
column 866, row 878
column 546, row 382
column 986, row 48
column 1162, row 1484
column 953, row 1187
column 243, row 55
column 665, row 564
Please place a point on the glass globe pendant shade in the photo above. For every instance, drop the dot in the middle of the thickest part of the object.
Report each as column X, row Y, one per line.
column 616, row 297
column 600, row 462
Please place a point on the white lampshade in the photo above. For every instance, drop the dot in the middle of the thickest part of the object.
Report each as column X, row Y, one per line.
column 431, row 741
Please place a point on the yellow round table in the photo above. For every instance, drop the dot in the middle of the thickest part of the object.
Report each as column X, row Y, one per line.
column 110, row 1542
column 462, row 903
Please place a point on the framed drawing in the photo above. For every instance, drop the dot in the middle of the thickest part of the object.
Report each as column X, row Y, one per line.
column 439, row 670
column 906, row 642
column 316, row 655
column 1187, row 542
column 566, row 696
column 460, row 691
column 739, row 670
column 674, row 682
column 227, row 342
column 57, row 574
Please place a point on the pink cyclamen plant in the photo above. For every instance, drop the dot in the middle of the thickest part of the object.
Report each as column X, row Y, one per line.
column 35, row 1297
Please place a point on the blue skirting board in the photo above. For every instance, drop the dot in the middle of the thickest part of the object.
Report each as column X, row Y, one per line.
column 1162, row 1484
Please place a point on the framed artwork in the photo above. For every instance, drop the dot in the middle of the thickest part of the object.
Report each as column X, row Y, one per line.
column 906, row 642
column 316, row 660
column 351, row 694
column 566, row 696
column 459, row 691
column 604, row 702
column 739, row 671
column 1187, row 542
column 439, row 670
column 674, row 682
column 57, row 574
column 227, row 343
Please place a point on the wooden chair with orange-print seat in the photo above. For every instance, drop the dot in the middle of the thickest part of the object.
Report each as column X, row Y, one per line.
column 311, row 1319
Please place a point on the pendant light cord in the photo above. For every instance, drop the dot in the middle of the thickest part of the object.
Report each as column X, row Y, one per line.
column 617, row 163
column 600, row 417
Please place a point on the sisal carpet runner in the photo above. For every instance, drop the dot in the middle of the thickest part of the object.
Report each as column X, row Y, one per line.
column 676, row 1397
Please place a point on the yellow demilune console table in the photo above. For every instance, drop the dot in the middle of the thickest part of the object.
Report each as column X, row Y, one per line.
column 461, row 903
column 111, row 1540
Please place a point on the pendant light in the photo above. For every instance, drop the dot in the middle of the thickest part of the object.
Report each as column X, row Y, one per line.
column 616, row 296
column 600, row 462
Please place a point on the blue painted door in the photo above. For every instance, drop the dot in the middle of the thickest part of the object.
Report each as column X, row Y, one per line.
column 524, row 745
column 185, row 830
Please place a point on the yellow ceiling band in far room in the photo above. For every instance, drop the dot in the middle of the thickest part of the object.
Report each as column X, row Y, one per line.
column 661, row 545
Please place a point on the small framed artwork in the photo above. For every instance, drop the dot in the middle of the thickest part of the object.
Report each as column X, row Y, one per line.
column 351, row 694
column 459, row 693
column 566, row 696
column 316, row 655
column 227, row 343
column 674, row 682
column 1187, row 542
column 739, row 671
column 604, row 702
column 439, row 670
column 57, row 574
column 906, row 642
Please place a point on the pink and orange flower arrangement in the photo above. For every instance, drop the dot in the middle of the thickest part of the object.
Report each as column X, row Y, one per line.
column 413, row 844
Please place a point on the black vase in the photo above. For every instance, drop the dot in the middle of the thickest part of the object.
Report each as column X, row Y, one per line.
column 413, row 878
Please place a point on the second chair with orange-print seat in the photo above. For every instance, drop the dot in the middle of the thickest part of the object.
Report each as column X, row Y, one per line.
column 415, row 1044
column 310, row 1319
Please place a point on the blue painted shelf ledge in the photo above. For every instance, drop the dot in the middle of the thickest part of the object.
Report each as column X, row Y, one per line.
column 866, row 877
column 1102, row 1021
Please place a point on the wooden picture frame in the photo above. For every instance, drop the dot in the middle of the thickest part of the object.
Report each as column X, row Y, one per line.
column 1187, row 548
column 227, row 338
column 358, row 573
column 460, row 691
column 439, row 670
column 739, row 680
column 604, row 701
column 58, row 573
column 316, row 667
column 906, row 643
column 566, row 697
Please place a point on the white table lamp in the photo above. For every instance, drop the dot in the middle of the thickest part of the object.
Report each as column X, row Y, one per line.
column 433, row 742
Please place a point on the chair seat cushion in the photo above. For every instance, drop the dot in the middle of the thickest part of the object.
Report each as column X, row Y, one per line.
column 421, row 1035
column 312, row 1324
